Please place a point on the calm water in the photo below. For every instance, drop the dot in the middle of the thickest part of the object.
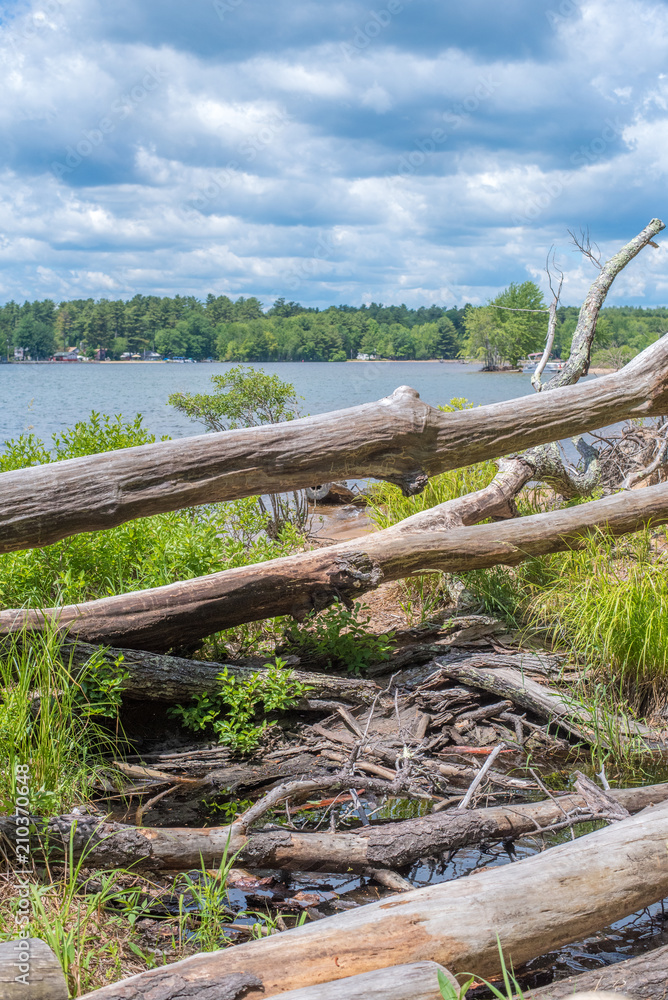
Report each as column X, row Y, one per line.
column 50, row 397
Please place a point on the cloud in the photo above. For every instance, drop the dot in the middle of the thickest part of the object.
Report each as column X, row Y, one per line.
column 327, row 152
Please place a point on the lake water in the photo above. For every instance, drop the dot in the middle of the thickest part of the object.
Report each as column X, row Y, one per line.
column 46, row 398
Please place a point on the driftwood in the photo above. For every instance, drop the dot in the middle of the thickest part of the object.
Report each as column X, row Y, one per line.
column 400, row 439
column 180, row 612
column 418, row 981
column 535, row 905
column 643, row 978
column 390, row 845
column 175, row 679
column 511, row 683
column 30, row 971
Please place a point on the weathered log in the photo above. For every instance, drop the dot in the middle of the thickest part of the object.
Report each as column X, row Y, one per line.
column 180, row 612
column 388, row 845
column 418, row 981
column 400, row 439
column 534, row 905
column 511, row 683
column 29, row 970
column 643, row 978
column 175, row 679
column 334, row 493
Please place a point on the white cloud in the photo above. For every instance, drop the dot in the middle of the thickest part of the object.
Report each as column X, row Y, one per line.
column 422, row 170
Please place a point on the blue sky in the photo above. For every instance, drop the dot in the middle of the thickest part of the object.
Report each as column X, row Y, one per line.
column 329, row 152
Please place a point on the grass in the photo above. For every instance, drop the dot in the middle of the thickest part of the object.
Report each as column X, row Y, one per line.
column 51, row 719
column 87, row 921
column 609, row 602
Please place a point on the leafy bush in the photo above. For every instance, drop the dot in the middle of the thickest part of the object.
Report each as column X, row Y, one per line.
column 148, row 552
column 88, row 437
column 338, row 639
column 232, row 712
column 248, row 397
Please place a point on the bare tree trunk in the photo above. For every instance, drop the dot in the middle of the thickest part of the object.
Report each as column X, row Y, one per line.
column 643, row 978
column 534, row 905
column 583, row 337
column 387, row 846
column 175, row 679
column 167, row 616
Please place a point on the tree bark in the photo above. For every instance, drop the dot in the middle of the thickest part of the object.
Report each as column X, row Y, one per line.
column 643, row 978
column 535, row 905
column 38, row 969
column 390, row 845
column 509, row 682
column 168, row 616
column 418, row 981
column 175, row 679
column 399, row 439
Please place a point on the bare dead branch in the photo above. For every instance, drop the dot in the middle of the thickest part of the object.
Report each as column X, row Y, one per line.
column 578, row 362
column 584, row 244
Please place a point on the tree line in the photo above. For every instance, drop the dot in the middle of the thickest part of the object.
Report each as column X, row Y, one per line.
column 241, row 331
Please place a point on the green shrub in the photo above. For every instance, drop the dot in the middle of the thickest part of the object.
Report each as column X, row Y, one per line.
column 338, row 639
column 147, row 552
column 232, row 712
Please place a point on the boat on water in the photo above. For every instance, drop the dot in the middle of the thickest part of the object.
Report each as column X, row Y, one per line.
column 552, row 366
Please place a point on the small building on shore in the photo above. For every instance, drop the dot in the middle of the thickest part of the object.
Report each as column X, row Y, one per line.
column 71, row 354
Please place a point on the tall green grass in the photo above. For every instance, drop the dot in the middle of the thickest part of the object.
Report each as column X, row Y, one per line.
column 51, row 719
column 609, row 602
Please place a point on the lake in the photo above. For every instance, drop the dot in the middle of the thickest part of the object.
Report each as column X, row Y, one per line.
column 46, row 398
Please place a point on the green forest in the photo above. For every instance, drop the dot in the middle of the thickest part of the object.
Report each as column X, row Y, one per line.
column 240, row 331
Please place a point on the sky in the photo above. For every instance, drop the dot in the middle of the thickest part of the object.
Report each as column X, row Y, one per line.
column 327, row 151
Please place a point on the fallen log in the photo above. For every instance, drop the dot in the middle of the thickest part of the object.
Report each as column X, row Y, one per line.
column 513, row 684
column 29, row 970
column 535, row 905
column 643, row 978
column 175, row 679
column 418, row 981
column 388, row 845
column 177, row 613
